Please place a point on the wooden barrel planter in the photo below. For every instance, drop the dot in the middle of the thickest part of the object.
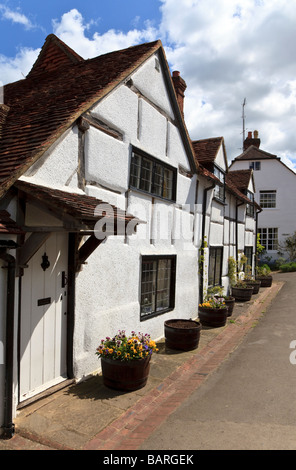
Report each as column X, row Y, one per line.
column 266, row 281
column 125, row 376
column 242, row 294
column 255, row 284
column 182, row 334
column 229, row 301
column 214, row 317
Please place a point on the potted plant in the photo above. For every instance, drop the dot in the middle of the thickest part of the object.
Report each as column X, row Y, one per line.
column 250, row 281
column 125, row 360
column 182, row 334
column 217, row 291
column 242, row 291
column 213, row 312
column 263, row 275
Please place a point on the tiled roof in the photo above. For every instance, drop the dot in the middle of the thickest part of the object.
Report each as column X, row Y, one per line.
column 79, row 206
column 207, row 173
column 240, row 178
column 54, row 54
column 254, row 153
column 238, row 181
column 7, row 225
column 44, row 105
column 206, row 149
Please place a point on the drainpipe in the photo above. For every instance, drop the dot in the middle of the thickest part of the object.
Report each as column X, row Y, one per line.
column 8, row 401
column 204, row 205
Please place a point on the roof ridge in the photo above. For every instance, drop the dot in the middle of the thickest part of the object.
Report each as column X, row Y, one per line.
column 53, row 55
column 258, row 150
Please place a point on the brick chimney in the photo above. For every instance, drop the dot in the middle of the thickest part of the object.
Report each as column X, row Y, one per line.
column 250, row 140
column 180, row 87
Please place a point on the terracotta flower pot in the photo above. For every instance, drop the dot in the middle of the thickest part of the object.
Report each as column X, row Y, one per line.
column 125, row 376
column 214, row 317
column 182, row 334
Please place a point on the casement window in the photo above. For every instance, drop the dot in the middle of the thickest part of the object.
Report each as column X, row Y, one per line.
column 219, row 190
column 215, row 266
column 250, row 207
column 255, row 166
column 269, row 238
column 157, row 285
column 268, row 199
column 152, row 176
column 248, row 252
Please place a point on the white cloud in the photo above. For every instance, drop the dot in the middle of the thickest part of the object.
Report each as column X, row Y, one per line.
column 226, row 50
column 16, row 68
column 71, row 28
column 15, row 16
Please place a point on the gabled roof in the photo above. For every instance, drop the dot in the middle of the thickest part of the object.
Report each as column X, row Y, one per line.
column 59, row 89
column 255, row 153
column 206, row 149
column 240, row 178
column 237, row 181
column 54, row 54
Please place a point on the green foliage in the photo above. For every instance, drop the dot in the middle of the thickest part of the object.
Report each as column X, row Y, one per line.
column 288, row 267
column 289, row 246
column 232, row 270
column 260, row 248
column 201, row 257
column 263, row 270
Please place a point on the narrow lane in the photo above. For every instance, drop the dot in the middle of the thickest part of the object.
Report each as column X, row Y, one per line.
column 250, row 401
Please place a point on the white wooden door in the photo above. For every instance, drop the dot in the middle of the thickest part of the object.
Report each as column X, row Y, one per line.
column 43, row 329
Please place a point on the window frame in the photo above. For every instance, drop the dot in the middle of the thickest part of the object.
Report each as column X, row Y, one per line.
column 250, row 210
column 155, row 165
column 211, row 250
column 248, row 252
column 219, row 190
column 172, row 285
column 269, row 238
column 255, row 165
column 266, row 203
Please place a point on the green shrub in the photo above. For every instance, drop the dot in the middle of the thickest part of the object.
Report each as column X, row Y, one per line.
column 288, row 267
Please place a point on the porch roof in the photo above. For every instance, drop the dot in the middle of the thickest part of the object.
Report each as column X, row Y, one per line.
column 83, row 209
column 7, row 225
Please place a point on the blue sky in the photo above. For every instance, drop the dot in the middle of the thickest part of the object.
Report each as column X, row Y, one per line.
column 226, row 50
column 26, row 23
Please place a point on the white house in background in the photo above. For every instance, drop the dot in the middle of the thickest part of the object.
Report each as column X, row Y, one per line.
column 83, row 144
column 227, row 213
column 275, row 193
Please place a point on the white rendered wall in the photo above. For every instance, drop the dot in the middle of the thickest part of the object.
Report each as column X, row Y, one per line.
column 108, row 287
column 275, row 176
column 58, row 166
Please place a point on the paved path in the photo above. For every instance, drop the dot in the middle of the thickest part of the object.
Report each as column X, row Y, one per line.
column 178, row 405
column 249, row 402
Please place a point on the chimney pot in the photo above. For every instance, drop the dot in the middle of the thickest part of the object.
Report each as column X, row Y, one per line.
column 252, row 141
